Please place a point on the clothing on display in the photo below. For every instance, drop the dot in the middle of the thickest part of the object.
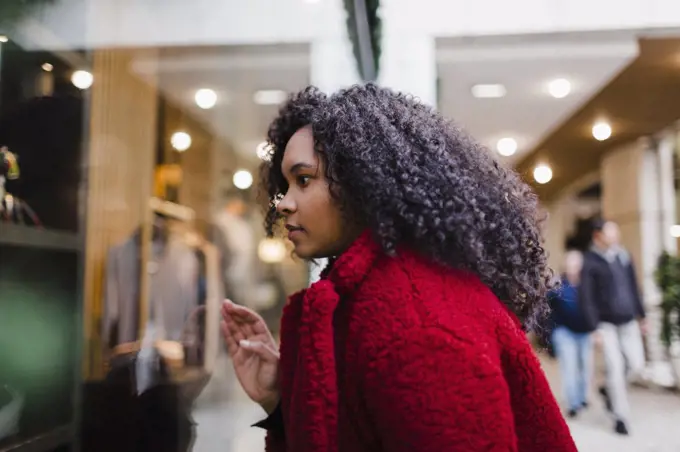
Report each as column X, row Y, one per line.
column 164, row 339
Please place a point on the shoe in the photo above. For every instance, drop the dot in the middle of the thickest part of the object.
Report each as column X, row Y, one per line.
column 607, row 400
column 621, row 428
column 572, row 414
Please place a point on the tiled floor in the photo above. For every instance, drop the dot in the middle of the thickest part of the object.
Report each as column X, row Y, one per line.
column 224, row 417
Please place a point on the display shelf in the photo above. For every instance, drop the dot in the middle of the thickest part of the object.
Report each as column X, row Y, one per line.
column 43, row 443
column 14, row 234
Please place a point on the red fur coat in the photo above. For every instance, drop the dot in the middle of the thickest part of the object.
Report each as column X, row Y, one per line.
column 399, row 354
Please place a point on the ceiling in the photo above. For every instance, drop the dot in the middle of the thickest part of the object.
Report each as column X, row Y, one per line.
column 235, row 73
column 642, row 100
column 525, row 65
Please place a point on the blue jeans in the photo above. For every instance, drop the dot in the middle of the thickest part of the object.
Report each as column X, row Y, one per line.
column 574, row 352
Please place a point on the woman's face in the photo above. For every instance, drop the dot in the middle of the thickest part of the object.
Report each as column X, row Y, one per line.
column 313, row 218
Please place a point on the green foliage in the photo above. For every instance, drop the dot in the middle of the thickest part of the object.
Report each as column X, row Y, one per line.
column 375, row 31
column 12, row 11
column 668, row 279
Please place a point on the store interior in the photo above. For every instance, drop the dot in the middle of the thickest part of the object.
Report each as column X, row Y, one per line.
column 129, row 211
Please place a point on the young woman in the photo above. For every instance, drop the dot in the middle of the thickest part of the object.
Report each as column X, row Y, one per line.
column 413, row 339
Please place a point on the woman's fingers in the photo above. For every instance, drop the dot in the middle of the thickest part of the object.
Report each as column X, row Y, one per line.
column 230, row 341
column 240, row 313
column 264, row 351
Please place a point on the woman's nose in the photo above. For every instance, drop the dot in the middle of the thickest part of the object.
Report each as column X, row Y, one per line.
column 286, row 205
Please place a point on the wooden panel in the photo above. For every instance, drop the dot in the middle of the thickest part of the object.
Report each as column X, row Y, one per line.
column 641, row 100
column 121, row 157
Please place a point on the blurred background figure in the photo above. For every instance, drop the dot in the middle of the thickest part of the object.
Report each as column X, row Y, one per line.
column 609, row 287
column 571, row 337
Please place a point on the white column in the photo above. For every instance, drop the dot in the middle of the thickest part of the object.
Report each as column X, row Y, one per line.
column 332, row 63
column 633, row 184
column 408, row 61
column 666, row 149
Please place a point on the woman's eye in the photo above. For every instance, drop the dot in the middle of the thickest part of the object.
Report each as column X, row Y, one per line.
column 303, row 180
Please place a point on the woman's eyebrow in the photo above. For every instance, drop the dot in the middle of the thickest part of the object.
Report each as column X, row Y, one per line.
column 299, row 166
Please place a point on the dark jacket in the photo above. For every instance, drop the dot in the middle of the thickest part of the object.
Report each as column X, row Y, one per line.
column 567, row 309
column 398, row 354
column 609, row 289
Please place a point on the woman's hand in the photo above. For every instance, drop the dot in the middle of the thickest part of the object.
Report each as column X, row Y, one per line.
column 253, row 352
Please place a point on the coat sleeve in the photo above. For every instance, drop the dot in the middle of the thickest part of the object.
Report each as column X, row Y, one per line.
column 637, row 297
column 273, row 424
column 432, row 392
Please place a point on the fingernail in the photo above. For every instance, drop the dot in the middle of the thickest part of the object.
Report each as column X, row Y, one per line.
column 244, row 343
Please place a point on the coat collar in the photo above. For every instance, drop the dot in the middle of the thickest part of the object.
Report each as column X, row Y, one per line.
column 349, row 270
column 309, row 392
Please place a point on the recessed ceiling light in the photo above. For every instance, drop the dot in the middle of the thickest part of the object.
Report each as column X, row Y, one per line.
column 205, row 98
column 269, row 97
column 559, row 88
column 3, row 38
column 243, row 179
column 543, row 174
column 180, row 141
column 82, row 79
column 602, row 131
column 489, row 91
column 506, row 147
column 47, row 67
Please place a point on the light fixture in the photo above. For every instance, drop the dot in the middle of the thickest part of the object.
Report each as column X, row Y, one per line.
column 543, row 174
column 3, row 38
column 559, row 88
column 205, row 98
column 271, row 251
column 243, row 179
column 675, row 231
column 47, row 67
column 180, row 141
column 263, row 151
column 506, row 147
column 269, row 97
column 82, row 79
column 488, row 91
column 602, row 131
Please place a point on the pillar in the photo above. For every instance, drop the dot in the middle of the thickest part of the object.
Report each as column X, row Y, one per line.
column 121, row 157
column 635, row 185
column 408, row 61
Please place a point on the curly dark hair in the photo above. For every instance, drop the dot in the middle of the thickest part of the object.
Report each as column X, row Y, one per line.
column 413, row 178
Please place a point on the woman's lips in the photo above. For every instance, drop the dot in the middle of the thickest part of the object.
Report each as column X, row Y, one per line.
column 294, row 232
column 292, row 235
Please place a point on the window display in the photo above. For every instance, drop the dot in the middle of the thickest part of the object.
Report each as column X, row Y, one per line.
column 41, row 123
column 163, row 294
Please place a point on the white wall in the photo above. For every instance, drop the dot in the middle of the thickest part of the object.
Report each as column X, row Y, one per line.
column 182, row 22
column 220, row 22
